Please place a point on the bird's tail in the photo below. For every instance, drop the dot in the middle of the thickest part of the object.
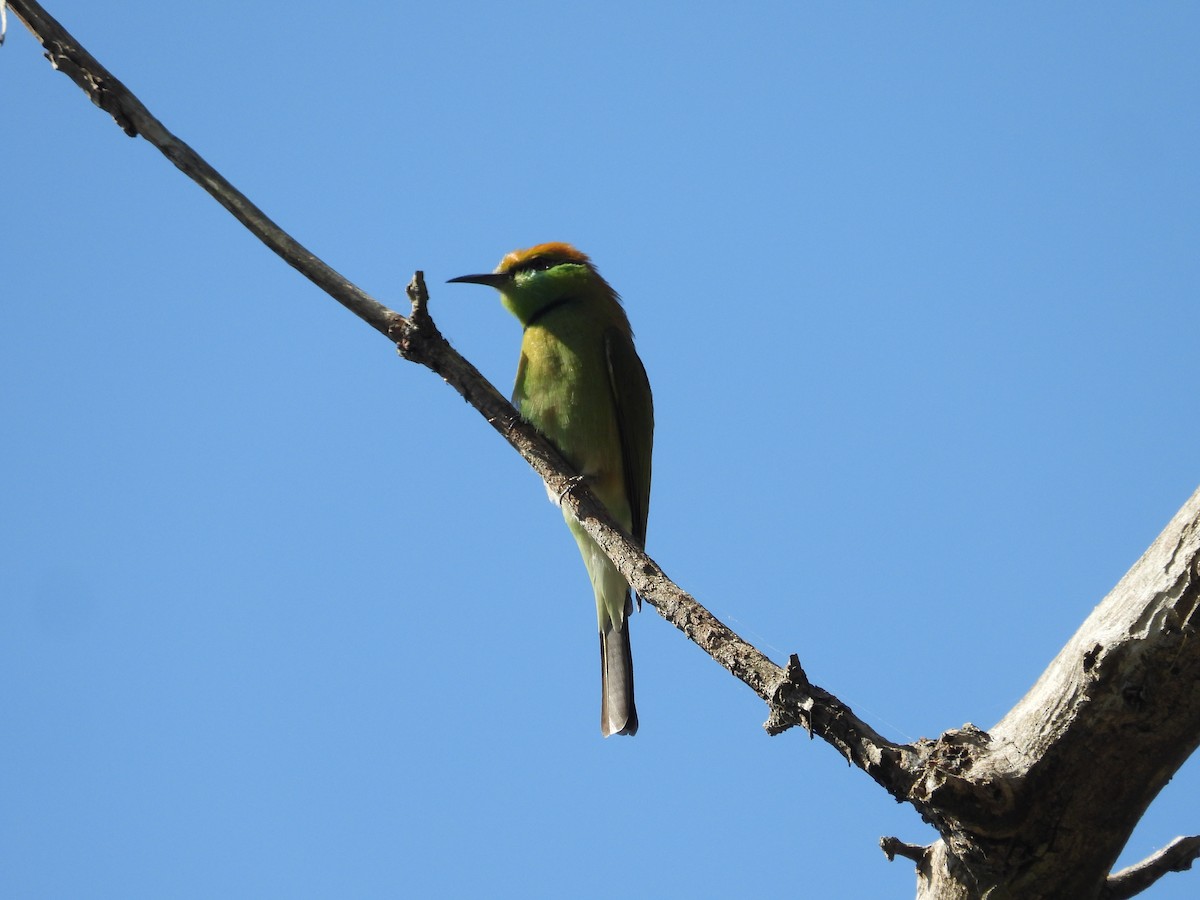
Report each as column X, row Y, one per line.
column 618, row 715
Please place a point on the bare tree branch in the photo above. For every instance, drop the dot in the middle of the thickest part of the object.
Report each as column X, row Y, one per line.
column 107, row 92
column 1029, row 810
column 1043, row 805
column 791, row 698
column 893, row 847
column 1177, row 856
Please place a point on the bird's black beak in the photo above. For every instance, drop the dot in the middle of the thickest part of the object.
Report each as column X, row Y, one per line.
column 490, row 279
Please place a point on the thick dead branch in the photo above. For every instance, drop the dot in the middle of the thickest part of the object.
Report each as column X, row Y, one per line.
column 1043, row 805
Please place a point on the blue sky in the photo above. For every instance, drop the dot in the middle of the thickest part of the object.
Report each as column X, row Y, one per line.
column 916, row 287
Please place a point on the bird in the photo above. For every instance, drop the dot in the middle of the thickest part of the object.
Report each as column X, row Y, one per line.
column 581, row 383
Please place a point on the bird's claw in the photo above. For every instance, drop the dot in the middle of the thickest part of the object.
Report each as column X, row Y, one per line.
column 573, row 482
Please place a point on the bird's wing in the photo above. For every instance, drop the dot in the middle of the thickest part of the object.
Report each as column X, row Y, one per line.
column 635, row 423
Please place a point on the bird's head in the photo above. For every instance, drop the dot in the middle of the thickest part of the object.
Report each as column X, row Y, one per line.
column 530, row 279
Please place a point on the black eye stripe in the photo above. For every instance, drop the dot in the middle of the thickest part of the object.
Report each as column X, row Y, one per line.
column 539, row 264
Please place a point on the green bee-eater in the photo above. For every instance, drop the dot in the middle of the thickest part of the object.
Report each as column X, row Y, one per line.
column 581, row 383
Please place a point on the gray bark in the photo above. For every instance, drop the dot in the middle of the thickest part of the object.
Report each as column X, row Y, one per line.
column 1042, row 805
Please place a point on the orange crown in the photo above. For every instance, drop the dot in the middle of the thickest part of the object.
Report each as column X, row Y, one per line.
column 555, row 250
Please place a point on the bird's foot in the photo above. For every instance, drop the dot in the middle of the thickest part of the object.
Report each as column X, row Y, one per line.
column 573, row 482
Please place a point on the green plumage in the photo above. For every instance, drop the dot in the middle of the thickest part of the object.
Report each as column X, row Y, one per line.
column 581, row 383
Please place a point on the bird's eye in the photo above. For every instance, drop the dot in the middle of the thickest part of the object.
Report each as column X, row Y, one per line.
column 538, row 264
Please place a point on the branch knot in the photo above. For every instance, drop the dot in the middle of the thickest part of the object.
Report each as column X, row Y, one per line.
column 791, row 702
